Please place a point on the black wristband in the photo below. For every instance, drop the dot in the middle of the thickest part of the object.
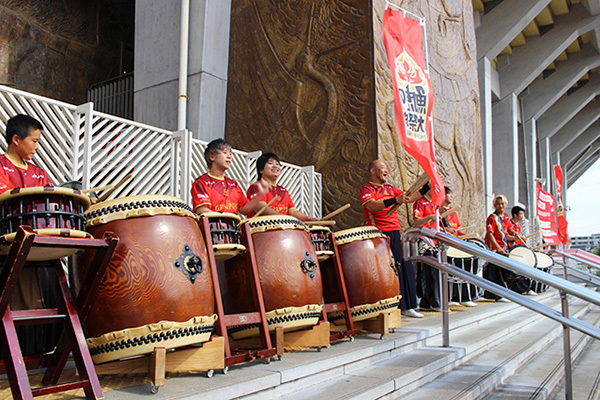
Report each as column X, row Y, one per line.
column 389, row 202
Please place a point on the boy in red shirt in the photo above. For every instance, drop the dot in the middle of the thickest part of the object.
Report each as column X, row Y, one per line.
column 22, row 136
column 214, row 191
column 268, row 167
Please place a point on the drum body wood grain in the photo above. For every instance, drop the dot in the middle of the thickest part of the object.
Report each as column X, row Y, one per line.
column 369, row 271
column 157, row 289
column 288, row 272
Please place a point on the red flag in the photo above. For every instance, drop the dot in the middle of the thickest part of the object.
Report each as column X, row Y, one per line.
column 562, row 221
column 547, row 216
column 413, row 95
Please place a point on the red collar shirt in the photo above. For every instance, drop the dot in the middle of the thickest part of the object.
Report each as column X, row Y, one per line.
column 373, row 192
column 217, row 194
column 452, row 220
column 20, row 177
column 499, row 226
column 423, row 208
column 283, row 201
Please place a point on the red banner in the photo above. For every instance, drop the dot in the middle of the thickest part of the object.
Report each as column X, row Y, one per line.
column 560, row 216
column 547, row 216
column 413, row 95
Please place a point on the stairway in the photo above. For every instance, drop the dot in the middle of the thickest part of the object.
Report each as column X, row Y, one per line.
column 494, row 349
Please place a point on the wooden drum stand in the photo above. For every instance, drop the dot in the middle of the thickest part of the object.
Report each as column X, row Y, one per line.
column 72, row 339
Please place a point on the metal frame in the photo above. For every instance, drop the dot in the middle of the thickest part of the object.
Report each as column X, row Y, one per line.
column 410, row 238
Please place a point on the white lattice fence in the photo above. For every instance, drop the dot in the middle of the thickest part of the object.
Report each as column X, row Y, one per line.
column 55, row 154
column 81, row 144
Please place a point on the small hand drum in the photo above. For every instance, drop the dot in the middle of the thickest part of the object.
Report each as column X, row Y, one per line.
column 225, row 235
column 319, row 235
column 52, row 211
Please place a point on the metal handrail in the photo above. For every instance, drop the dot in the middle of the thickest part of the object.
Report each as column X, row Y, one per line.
column 577, row 259
column 579, row 274
column 412, row 235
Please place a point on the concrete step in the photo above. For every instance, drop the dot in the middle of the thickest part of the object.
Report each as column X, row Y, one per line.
column 369, row 367
column 542, row 375
column 586, row 375
column 484, row 373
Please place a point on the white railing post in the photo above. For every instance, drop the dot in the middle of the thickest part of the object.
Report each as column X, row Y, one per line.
column 174, row 167
column 87, row 110
column 310, row 203
column 251, row 166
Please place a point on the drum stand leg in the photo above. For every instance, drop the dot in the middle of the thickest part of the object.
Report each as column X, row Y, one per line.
column 72, row 339
column 223, row 320
column 344, row 305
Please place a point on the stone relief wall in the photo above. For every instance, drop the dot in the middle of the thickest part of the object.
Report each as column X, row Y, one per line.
column 59, row 48
column 307, row 81
column 300, row 85
column 456, row 120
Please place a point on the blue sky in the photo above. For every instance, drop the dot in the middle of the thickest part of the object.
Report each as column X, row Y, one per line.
column 583, row 198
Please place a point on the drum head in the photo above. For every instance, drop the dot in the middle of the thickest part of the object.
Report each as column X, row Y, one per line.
column 523, row 255
column 360, row 233
column 544, row 260
column 136, row 206
column 45, row 253
column 265, row 223
column 456, row 253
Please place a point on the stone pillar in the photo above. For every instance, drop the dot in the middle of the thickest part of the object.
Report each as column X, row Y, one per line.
column 157, row 65
column 506, row 148
column 530, row 157
column 485, row 93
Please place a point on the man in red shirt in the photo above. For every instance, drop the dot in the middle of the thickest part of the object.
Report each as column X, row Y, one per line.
column 268, row 167
column 451, row 223
column 499, row 233
column 22, row 136
column 377, row 197
column 214, row 191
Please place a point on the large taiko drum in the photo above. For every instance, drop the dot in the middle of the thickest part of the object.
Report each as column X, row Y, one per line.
column 289, row 276
column 319, row 235
column 158, row 289
column 369, row 272
column 544, row 263
column 225, row 234
column 53, row 211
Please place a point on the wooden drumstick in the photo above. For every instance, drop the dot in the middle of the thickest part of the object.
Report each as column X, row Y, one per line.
column 541, row 246
column 323, row 223
column 264, row 208
column 417, row 185
column 336, row 212
column 118, row 185
column 450, row 211
column 532, row 235
column 97, row 189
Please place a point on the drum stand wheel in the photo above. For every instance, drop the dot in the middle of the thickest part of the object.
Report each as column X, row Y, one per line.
column 206, row 357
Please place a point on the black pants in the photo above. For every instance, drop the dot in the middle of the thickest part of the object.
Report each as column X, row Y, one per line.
column 406, row 273
column 428, row 284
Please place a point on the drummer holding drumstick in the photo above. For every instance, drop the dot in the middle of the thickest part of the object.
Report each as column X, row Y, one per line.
column 377, row 197
column 268, row 168
column 518, row 215
column 499, row 233
column 214, row 191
